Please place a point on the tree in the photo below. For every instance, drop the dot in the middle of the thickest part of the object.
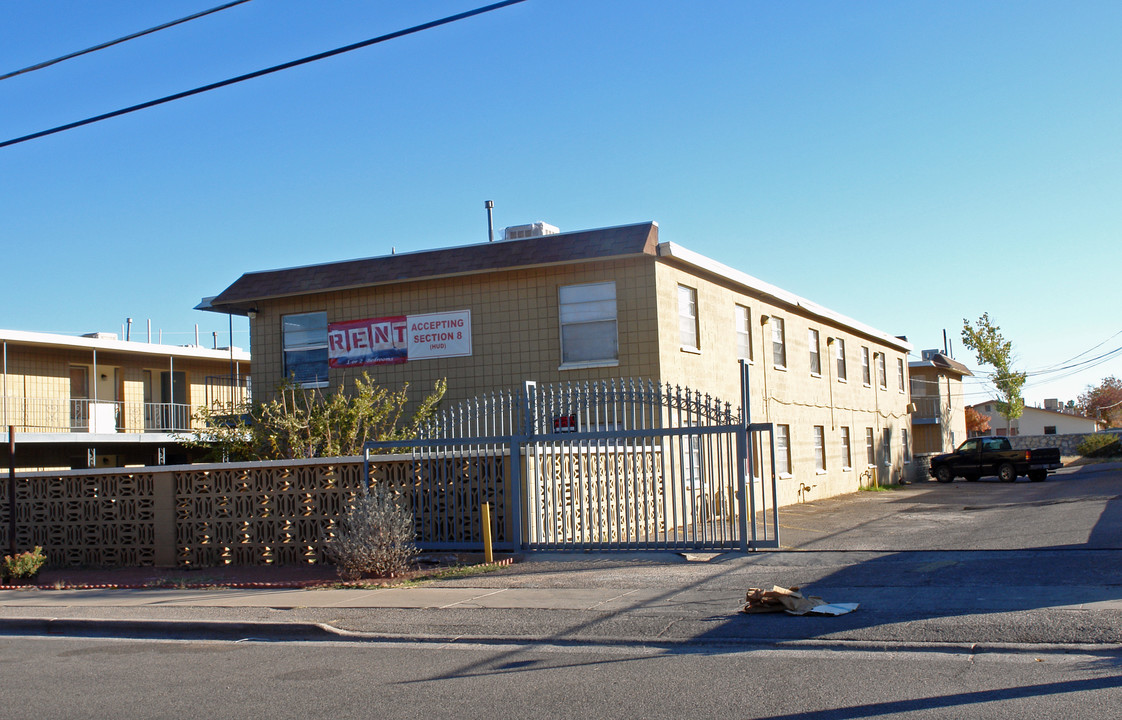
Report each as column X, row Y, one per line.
column 992, row 349
column 1103, row 402
column 303, row 423
column 976, row 422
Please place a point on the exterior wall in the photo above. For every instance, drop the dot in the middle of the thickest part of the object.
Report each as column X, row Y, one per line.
column 791, row 396
column 1034, row 420
column 516, row 333
column 1066, row 443
column 950, row 429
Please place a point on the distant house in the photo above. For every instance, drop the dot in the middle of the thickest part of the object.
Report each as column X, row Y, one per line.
column 1036, row 421
column 939, row 417
column 97, row 401
column 587, row 306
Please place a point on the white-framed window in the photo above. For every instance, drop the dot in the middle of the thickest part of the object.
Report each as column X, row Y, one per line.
column 820, row 448
column 588, row 324
column 815, row 351
column 783, row 449
column 906, row 445
column 846, row 449
column 839, row 355
column 900, row 372
column 743, row 333
column 870, row 447
column 687, row 318
column 778, row 343
column 882, row 374
column 866, row 375
column 304, row 338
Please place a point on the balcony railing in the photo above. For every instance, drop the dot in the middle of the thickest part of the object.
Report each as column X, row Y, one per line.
column 928, row 410
column 55, row 415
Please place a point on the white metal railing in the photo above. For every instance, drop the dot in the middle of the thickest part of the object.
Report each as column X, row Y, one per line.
column 29, row 414
column 927, row 407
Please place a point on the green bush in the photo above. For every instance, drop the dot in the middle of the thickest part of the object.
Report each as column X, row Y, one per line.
column 375, row 539
column 23, row 566
column 1100, row 445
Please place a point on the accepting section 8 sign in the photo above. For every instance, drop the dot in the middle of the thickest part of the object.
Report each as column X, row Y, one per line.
column 398, row 339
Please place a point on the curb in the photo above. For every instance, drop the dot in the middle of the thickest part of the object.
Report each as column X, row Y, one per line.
column 166, row 629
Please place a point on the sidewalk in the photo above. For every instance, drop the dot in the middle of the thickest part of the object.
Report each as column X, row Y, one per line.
column 910, row 598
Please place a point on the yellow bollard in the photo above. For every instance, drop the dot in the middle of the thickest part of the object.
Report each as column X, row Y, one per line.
column 488, row 554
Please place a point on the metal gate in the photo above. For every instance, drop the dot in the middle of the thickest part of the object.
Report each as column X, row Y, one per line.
column 605, row 465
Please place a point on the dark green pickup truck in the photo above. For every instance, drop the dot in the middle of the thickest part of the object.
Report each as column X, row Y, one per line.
column 994, row 456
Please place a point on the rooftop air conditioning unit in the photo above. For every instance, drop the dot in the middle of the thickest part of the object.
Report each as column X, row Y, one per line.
column 538, row 229
column 929, row 354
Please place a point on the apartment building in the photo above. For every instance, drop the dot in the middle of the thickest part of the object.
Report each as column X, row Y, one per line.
column 97, row 401
column 589, row 305
column 939, row 416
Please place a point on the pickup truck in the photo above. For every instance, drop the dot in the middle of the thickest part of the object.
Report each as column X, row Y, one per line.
column 994, row 456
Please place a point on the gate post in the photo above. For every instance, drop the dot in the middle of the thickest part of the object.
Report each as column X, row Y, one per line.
column 744, row 459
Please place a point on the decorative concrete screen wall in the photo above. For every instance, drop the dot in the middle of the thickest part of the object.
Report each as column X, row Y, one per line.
column 277, row 512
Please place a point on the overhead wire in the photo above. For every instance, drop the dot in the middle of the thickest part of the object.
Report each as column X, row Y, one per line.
column 266, row 71
column 118, row 41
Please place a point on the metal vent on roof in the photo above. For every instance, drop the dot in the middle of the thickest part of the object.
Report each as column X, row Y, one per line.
column 538, row 229
column 930, row 354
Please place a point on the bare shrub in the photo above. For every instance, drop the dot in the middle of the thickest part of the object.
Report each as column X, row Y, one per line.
column 374, row 539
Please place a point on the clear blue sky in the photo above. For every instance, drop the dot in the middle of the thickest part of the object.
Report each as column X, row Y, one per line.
column 909, row 164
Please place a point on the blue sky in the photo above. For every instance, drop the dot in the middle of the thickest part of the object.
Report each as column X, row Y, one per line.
column 909, row 164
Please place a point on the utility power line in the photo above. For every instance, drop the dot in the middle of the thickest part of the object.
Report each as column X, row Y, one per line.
column 118, row 41
column 266, row 71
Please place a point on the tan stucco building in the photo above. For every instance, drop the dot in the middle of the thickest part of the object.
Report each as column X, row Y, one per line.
column 596, row 304
column 939, row 416
column 97, row 401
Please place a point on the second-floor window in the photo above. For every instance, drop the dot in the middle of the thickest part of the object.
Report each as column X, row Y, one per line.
column 839, row 354
column 687, row 318
column 900, row 372
column 815, row 352
column 588, row 323
column 778, row 343
column 305, row 348
column 882, row 375
column 866, row 376
column 743, row 333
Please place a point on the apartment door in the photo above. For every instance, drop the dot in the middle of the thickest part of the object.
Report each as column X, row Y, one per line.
column 79, row 398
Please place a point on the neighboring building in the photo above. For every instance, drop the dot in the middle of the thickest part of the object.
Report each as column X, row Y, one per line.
column 939, row 419
column 1036, row 421
column 586, row 305
column 96, row 401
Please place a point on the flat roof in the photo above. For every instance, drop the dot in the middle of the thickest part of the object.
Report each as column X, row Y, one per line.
column 195, row 352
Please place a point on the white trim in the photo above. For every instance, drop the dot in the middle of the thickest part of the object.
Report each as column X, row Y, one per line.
column 669, row 249
column 129, row 346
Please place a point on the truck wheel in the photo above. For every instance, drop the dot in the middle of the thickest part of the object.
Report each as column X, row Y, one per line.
column 1038, row 475
column 943, row 474
column 1006, row 473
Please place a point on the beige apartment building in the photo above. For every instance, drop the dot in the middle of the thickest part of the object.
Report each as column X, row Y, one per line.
column 97, row 401
column 588, row 305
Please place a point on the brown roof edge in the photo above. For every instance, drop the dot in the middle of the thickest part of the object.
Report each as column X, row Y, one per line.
column 583, row 245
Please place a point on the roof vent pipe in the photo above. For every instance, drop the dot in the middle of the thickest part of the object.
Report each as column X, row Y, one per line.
column 490, row 205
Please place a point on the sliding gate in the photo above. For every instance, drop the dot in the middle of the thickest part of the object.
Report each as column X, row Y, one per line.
column 607, row 465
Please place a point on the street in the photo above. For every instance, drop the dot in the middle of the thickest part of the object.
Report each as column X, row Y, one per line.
column 976, row 600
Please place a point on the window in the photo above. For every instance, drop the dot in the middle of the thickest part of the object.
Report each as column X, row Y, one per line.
column 882, row 374
column 819, row 448
column 815, row 352
column 588, row 323
column 783, row 449
column 870, row 448
column 847, row 449
column 865, row 376
column 305, row 348
column 778, row 343
column 743, row 333
column 900, row 373
column 839, row 354
column 1049, row 429
column 687, row 318
column 907, row 451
